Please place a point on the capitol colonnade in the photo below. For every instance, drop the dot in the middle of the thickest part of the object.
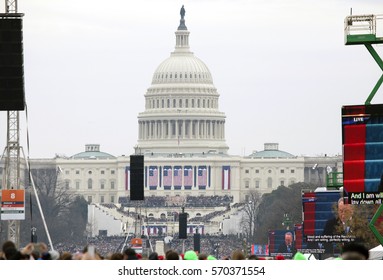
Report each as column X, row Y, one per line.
column 181, row 129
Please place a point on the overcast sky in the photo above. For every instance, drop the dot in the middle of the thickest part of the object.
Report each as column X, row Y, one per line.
column 280, row 66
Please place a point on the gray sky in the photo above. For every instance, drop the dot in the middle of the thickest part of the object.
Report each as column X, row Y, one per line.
column 280, row 66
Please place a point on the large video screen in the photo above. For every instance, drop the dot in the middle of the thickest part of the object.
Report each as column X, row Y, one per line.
column 362, row 140
column 282, row 242
column 260, row 250
column 322, row 216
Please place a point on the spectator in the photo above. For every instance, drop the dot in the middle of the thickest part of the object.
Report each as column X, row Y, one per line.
column 66, row 256
column 130, row 254
column 238, row 255
column 153, row 256
column 354, row 251
column 190, row 256
column 202, row 256
column 172, row 255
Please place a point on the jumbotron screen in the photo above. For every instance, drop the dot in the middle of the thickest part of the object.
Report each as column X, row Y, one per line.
column 362, row 141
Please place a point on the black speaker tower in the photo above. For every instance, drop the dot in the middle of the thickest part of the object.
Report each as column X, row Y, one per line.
column 136, row 177
column 182, row 226
column 12, row 96
column 197, row 242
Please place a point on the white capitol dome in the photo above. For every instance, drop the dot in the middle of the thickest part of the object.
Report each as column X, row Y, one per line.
column 181, row 106
column 182, row 67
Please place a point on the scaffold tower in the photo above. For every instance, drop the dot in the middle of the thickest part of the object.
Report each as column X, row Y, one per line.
column 12, row 150
column 367, row 30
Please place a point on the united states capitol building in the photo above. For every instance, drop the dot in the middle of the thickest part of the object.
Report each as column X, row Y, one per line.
column 181, row 133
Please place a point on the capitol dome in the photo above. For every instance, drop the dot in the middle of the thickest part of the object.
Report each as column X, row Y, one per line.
column 181, row 106
column 92, row 151
column 271, row 151
column 182, row 68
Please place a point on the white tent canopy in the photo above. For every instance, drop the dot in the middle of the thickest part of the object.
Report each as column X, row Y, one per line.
column 376, row 253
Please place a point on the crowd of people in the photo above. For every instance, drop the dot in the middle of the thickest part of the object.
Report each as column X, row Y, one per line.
column 178, row 201
column 114, row 249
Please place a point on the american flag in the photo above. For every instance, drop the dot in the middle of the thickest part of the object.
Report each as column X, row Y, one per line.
column 153, row 230
column 167, row 176
column 188, row 176
column 177, row 176
column 202, row 178
column 153, row 176
column 127, row 178
column 226, row 177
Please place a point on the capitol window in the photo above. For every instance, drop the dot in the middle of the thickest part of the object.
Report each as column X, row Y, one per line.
column 282, row 171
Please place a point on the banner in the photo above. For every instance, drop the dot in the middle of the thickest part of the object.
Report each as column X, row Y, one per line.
column 13, row 205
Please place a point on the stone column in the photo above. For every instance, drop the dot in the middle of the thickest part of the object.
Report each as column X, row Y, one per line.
column 197, row 129
column 183, row 123
column 162, row 129
column 155, row 130
column 177, row 133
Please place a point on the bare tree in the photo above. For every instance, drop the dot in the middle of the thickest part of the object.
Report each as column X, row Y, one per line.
column 65, row 214
column 250, row 214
